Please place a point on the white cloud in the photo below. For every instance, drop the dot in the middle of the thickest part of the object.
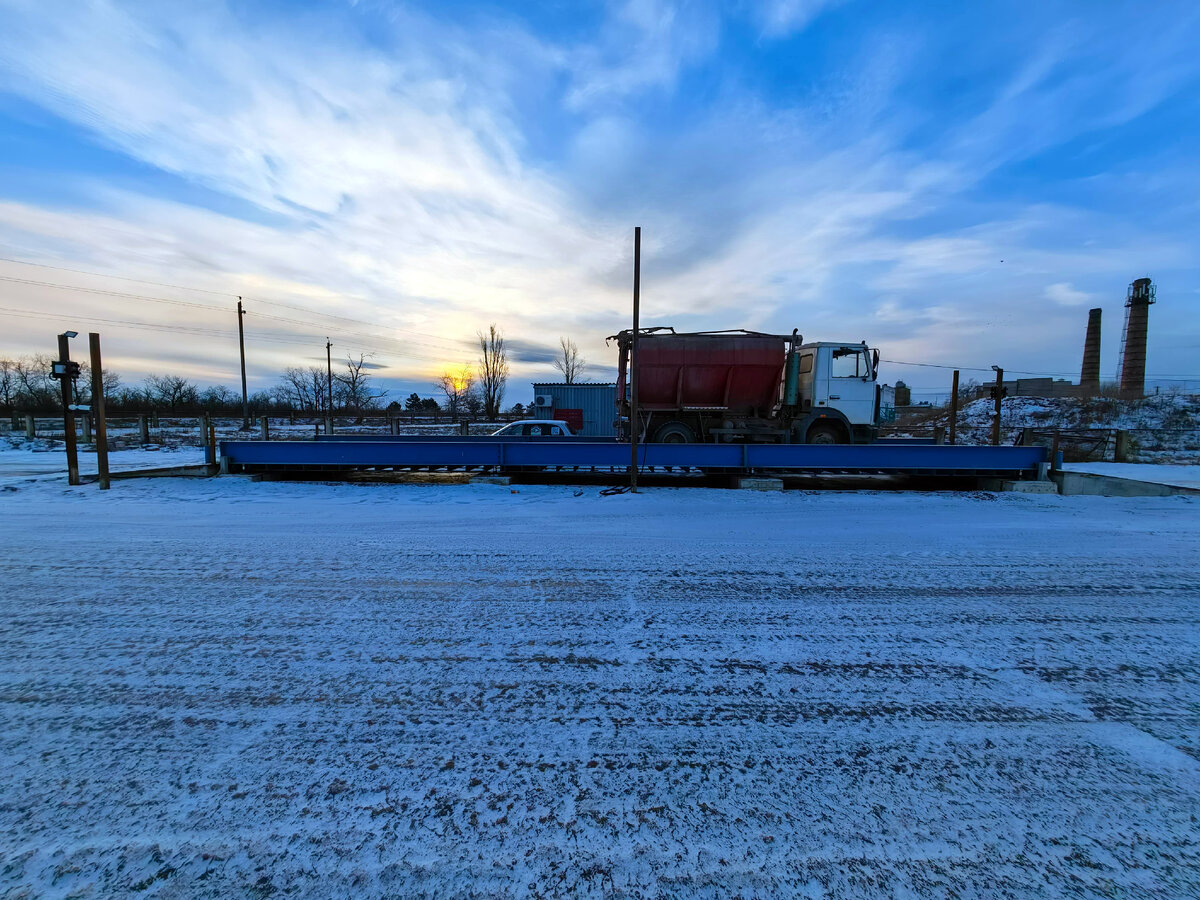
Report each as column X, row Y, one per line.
column 644, row 44
column 399, row 184
column 1064, row 294
column 785, row 17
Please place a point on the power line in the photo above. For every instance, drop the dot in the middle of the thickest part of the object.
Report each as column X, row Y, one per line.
column 353, row 337
column 449, row 342
column 181, row 329
column 896, row 362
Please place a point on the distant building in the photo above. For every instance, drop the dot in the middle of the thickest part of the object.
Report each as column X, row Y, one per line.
column 887, row 403
column 590, row 409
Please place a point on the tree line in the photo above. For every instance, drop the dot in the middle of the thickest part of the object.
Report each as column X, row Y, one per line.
column 468, row 390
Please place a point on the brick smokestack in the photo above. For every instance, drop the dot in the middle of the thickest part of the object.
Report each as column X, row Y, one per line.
column 1089, row 375
column 1133, row 347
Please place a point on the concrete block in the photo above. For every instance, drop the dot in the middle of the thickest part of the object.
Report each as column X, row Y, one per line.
column 760, row 484
column 1086, row 484
column 490, row 479
column 1029, row 487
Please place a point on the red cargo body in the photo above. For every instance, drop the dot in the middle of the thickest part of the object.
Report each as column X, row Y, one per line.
column 716, row 372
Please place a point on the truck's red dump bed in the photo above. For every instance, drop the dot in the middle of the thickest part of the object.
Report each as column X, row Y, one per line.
column 738, row 373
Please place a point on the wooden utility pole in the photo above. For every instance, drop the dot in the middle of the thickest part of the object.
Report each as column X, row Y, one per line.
column 242, row 351
column 954, row 408
column 98, row 410
column 996, row 414
column 634, row 417
column 64, row 355
column 329, row 384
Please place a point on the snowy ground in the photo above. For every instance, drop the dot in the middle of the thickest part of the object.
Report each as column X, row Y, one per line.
column 51, row 459
column 216, row 688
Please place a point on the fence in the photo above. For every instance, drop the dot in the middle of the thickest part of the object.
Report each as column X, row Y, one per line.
column 127, row 432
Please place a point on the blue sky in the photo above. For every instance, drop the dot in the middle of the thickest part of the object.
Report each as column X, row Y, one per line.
column 955, row 183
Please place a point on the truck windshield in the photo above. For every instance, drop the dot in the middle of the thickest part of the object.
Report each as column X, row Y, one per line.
column 850, row 363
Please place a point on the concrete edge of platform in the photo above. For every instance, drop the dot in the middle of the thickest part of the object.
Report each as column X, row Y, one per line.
column 1087, row 484
column 201, row 470
column 1007, row 486
column 760, row 484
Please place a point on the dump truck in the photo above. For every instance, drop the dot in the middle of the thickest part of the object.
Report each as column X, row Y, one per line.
column 742, row 386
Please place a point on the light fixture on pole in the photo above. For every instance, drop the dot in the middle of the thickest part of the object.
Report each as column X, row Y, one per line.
column 66, row 371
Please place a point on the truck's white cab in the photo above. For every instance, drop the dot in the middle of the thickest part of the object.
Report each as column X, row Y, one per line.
column 836, row 382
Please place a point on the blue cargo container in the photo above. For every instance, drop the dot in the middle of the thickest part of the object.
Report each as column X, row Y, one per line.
column 591, row 407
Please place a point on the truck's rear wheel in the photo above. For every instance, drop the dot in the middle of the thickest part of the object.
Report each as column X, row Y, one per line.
column 675, row 433
column 825, row 433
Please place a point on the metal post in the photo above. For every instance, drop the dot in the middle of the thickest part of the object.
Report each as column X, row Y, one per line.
column 1054, row 452
column 996, row 414
column 329, row 383
column 98, row 410
column 242, row 350
column 30, row 427
column 954, row 408
column 87, row 428
column 64, row 354
column 634, row 418
column 144, row 429
column 266, row 428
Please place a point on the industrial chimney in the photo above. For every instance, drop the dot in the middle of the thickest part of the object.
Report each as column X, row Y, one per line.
column 1133, row 344
column 1089, row 375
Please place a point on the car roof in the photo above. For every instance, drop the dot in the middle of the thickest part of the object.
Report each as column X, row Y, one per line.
column 538, row 422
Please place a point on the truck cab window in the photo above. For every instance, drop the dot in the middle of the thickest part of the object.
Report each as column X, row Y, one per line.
column 806, row 363
column 849, row 364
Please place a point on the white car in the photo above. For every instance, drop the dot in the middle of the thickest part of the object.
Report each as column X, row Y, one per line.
column 535, row 428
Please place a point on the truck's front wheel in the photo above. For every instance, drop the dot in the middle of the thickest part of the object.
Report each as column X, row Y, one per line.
column 825, row 433
column 675, row 433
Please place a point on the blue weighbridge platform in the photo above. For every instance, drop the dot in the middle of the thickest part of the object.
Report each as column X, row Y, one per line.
column 515, row 455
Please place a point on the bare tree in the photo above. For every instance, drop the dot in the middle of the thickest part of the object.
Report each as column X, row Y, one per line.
column 83, row 386
column 493, row 370
column 35, row 388
column 303, row 389
column 354, row 389
column 173, row 390
column 569, row 362
column 218, row 397
column 457, row 386
column 8, row 382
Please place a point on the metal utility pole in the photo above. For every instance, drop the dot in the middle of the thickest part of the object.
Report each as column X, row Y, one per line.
column 954, row 407
column 64, row 356
column 242, row 349
column 634, row 417
column 996, row 414
column 98, row 410
column 329, row 384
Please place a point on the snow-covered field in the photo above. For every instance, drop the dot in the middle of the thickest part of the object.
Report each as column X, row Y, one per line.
column 215, row 688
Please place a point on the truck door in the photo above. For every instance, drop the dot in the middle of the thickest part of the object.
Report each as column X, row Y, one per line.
column 850, row 383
